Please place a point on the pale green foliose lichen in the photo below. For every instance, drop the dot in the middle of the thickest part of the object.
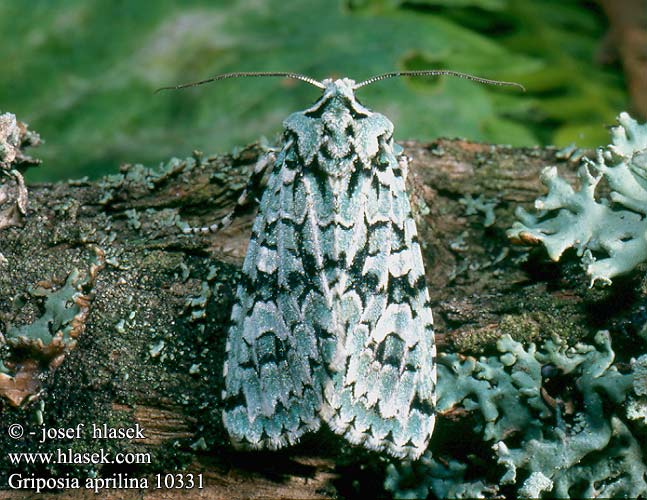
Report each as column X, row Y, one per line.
column 480, row 204
column 447, row 480
column 609, row 233
column 60, row 309
column 570, row 439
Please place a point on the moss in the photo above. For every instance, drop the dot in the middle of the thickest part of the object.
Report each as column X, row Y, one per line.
column 533, row 326
column 521, row 327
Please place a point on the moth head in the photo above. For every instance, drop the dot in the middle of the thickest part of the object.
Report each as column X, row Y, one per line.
column 340, row 87
column 338, row 98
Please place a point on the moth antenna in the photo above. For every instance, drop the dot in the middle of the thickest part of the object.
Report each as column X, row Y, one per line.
column 435, row 72
column 239, row 74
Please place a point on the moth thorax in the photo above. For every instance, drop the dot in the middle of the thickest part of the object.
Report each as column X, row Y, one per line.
column 336, row 153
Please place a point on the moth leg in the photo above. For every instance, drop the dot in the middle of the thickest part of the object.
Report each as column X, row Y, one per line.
column 252, row 191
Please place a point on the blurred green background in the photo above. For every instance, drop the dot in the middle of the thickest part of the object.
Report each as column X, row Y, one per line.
column 82, row 72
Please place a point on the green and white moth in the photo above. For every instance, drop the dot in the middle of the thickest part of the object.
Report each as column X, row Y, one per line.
column 332, row 321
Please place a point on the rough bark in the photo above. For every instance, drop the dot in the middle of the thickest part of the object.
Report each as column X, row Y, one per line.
column 152, row 307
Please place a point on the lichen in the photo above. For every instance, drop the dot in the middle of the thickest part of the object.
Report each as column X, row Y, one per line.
column 607, row 232
column 9, row 138
column 136, row 179
column 133, row 218
column 41, row 345
column 640, row 375
column 637, row 405
column 553, row 418
column 14, row 137
column 480, row 204
column 446, row 480
column 196, row 306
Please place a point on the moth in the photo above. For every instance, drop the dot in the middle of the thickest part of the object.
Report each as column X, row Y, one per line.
column 332, row 321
